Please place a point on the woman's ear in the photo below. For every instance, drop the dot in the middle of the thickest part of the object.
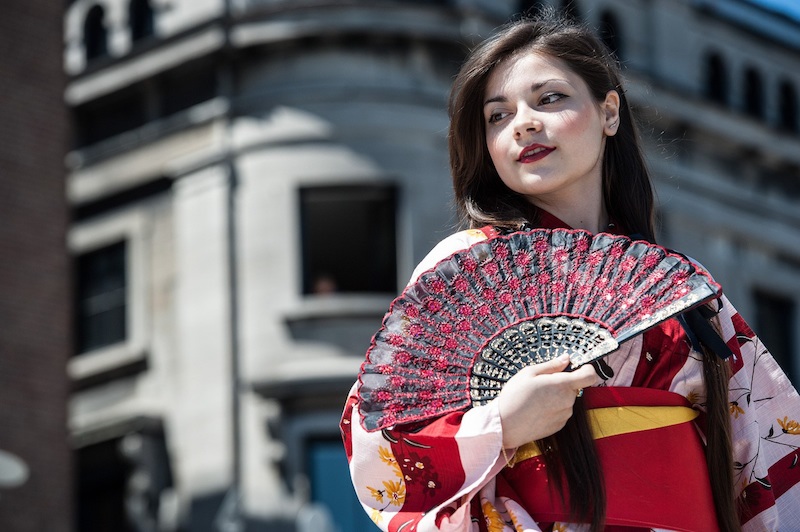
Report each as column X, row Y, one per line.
column 610, row 108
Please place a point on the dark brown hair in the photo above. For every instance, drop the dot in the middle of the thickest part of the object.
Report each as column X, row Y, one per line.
column 483, row 199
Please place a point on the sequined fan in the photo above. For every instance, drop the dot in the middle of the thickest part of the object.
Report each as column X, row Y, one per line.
column 455, row 336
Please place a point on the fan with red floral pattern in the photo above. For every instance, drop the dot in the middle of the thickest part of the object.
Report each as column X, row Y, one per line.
column 455, row 336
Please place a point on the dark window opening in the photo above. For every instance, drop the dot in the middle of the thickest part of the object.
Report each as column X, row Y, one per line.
column 110, row 116
column 102, row 475
column 787, row 120
column 775, row 318
column 138, row 105
column 186, row 87
column 753, row 94
column 141, row 19
column 610, row 33
column 119, row 482
column 716, row 79
column 348, row 235
column 101, row 297
column 94, row 34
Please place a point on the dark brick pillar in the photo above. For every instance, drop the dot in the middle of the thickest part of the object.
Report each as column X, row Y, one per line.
column 34, row 266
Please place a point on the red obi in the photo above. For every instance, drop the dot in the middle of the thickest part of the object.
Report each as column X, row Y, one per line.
column 652, row 457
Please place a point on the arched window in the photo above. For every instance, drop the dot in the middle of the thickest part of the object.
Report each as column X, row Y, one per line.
column 753, row 93
column 140, row 19
column 94, row 33
column 571, row 9
column 787, row 102
column 610, row 33
column 716, row 79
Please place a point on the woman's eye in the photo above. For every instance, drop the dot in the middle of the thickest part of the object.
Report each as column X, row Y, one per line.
column 551, row 97
column 496, row 117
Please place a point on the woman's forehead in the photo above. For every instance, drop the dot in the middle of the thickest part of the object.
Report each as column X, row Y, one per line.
column 533, row 68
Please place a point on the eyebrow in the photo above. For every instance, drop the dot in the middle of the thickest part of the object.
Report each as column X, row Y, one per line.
column 535, row 87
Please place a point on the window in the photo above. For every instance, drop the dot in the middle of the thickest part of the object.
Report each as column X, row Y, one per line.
column 140, row 19
column 716, row 79
column 110, row 116
column 775, row 318
column 101, row 297
column 329, row 477
column 94, row 33
column 348, row 239
column 120, row 481
column 187, row 86
column 753, row 94
column 609, row 32
column 787, row 101
column 102, row 475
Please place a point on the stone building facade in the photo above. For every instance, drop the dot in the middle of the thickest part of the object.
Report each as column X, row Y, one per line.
column 252, row 182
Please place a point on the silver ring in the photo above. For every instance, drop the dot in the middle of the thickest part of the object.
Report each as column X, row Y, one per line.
column 580, row 392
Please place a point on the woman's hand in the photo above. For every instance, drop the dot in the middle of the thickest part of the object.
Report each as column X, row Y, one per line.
column 537, row 401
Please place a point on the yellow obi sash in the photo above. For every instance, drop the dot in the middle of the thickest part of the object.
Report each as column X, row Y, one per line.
column 652, row 458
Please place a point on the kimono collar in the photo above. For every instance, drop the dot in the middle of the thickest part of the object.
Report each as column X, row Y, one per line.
column 550, row 221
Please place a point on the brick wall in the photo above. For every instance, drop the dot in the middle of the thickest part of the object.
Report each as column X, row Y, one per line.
column 34, row 279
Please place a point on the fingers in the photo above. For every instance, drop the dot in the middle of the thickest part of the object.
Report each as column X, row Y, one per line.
column 551, row 366
column 584, row 377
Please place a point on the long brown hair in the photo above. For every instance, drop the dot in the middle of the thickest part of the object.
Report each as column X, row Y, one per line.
column 483, row 199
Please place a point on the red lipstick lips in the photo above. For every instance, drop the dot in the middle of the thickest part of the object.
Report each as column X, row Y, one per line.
column 534, row 152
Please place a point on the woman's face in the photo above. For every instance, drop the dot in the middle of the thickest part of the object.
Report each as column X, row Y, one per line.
column 545, row 132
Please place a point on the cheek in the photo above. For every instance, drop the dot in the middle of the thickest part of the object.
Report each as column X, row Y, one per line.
column 573, row 124
column 494, row 147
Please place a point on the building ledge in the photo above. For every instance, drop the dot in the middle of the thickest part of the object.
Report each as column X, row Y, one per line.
column 313, row 376
column 104, row 364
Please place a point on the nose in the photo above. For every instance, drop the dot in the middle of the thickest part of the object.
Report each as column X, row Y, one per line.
column 525, row 122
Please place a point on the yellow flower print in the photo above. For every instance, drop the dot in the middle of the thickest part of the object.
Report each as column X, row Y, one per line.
column 376, row 516
column 789, row 426
column 518, row 527
column 476, row 233
column 395, row 491
column 735, row 409
column 376, row 494
column 386, row 456
column 493, row 520
column 559, row 527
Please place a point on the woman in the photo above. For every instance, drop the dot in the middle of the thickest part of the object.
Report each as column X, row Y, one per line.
column 542, row 136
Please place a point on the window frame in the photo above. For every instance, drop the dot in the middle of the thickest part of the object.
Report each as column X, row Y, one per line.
column 127, row 225
column 390, row 188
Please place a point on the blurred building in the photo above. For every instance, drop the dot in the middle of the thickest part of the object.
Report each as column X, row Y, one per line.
column 35, row 474
column 252, row 182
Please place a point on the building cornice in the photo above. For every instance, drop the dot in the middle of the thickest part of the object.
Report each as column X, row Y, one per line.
column 754, row 19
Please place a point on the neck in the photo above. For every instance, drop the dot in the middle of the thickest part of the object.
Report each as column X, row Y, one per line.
column 588, row 215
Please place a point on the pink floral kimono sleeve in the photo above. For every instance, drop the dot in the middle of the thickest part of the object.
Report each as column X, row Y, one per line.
column 765, row 419
column 423, row 478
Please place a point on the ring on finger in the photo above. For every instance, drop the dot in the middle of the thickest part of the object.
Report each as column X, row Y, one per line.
column 579, row 393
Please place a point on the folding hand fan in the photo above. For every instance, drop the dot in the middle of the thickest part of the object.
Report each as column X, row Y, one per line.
column 456, row 335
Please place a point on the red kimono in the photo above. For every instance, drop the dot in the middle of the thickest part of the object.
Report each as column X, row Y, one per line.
column 452, row 473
